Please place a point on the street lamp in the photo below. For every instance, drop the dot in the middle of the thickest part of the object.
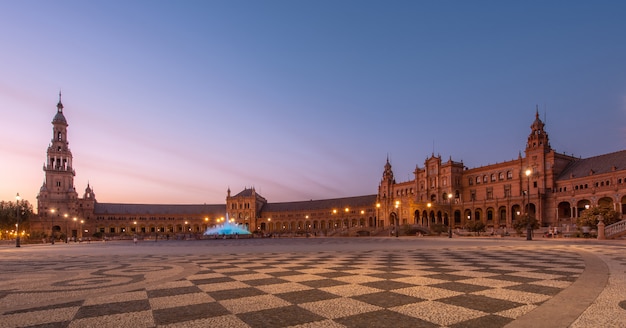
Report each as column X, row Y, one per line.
column 17, row 225
column 75, row 237
column 52, row 231
column 397, row 216
column 450, row 216
column 377, row 214
column 529, row 228
column 66, row 231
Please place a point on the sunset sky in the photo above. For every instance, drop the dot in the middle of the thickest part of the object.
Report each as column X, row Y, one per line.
column 176, row 101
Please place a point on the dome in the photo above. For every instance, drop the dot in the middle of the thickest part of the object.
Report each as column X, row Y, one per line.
column 59, row 118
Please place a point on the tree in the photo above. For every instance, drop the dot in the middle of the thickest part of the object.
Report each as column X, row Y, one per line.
column 475, row 226
column 522, row 223
column 9, row 212
column 590, row 217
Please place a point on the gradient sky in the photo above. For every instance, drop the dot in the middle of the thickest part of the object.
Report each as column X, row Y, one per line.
column 176, row 101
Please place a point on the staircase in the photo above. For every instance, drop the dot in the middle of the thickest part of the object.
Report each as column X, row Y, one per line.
column 615, row 230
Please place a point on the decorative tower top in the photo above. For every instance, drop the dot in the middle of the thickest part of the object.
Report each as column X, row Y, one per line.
column 59, row 118
column 538, row 137
column 388, row 173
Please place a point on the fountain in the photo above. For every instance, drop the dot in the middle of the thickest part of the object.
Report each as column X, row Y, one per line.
column 228, row 228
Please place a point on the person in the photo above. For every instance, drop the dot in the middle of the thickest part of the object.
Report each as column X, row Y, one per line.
column 135, row 239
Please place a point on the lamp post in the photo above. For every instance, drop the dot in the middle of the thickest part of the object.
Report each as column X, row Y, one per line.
column 52, row 230
column 75, row 237
column 17, row 225
column 450, row 216
column 397, row 217
column 67, row 237
column 428, row 215
column 529, row 228
column 377, row 214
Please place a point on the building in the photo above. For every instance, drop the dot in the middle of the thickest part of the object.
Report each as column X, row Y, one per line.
column 555, row 188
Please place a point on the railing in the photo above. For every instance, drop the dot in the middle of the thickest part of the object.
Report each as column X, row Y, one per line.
column 615, row 229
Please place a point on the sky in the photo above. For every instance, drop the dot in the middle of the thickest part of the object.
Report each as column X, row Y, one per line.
column 176, row 101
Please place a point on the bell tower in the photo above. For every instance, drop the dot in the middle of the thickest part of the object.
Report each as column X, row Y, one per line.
column 538, row 138
column 57, row 192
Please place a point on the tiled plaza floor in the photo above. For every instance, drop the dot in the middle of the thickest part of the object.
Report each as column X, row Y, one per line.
column 325, row 282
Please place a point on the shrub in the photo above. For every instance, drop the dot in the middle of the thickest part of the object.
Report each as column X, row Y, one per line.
column 412, row 230
column 438, row 228
column 522, row 224
column 590, row 217
column 475, row 226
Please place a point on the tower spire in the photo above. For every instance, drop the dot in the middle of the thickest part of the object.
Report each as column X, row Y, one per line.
column 60, row 104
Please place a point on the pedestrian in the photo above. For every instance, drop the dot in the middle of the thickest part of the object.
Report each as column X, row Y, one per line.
column 135, row 239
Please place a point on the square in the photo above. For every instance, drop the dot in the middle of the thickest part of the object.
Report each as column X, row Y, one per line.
column 384, row 318
column 279, row 317
column 187, row 313
column 387, row 284
column 427, row 292
column 339, row 307
column 438, row 313
column 265, row 281
column 283, row 288
column 227, row 294
column 460, row 287
column 480, row 303
column 306, row 296
column 321, row 283
column 387, row 300
column 173, row 291
column 253, row 303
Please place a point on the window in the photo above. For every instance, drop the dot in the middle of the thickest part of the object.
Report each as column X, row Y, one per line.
column 477, row 180
column 471, row 181
column 472, row 195
column 509, row 174
column 501, row 176
column 493, row 177
column 489, row 193
column 485, row 179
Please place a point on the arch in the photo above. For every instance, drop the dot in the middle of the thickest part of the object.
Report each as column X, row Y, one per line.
column 490, row 215
column 478, row 214
column 564, row 211
column 606, row 202
column 516, row 212
column 582, row 205
column 425, row 222
column 467, row 215
column 501, row 219
column 457, row 217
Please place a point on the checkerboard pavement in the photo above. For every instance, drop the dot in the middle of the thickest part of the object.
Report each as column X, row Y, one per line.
column 476, row 287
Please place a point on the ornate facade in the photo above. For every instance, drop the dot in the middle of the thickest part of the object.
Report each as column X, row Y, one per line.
column 550, row 186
